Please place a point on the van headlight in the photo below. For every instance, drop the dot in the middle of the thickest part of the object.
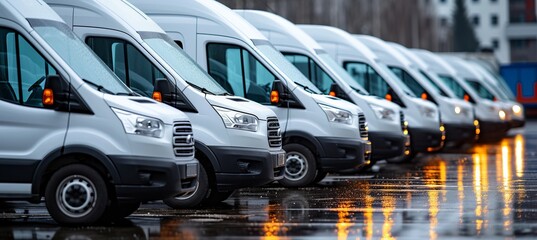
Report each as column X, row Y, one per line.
column 139, row 125
column 427, row 112
column 501, row 114
column 457, row 110
column 337, row 115
column 517, row 110
column 238, row 120
column 383, row 113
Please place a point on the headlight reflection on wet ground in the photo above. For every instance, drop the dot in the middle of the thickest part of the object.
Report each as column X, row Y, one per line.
column 489, row 193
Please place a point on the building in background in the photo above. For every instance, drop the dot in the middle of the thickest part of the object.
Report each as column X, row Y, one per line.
column 489, row 18
column 522, row 30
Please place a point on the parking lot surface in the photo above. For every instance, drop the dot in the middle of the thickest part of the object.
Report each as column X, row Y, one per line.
column 488, row 193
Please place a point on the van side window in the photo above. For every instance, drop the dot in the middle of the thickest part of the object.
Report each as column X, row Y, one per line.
column 22, row 70
column 366, row 76
column 129, row 64
column 179, row 43
column 239, row 72
column 311, row 70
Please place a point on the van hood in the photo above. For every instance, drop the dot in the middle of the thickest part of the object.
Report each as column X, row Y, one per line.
column 337, row 103
column 147, row 107
column 241, row 104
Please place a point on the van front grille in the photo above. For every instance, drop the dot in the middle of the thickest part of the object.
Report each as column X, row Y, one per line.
column 183, row 139
column 362, row 124
column 404, row 126
column 274, row 132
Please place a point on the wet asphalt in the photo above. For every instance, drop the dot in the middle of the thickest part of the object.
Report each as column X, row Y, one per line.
column 490, row 193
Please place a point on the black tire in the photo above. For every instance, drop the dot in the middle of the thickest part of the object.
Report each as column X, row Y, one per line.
column 193, row 199
column 76, row 195
column 216, row 197
column 300, row 166
column 319, row 176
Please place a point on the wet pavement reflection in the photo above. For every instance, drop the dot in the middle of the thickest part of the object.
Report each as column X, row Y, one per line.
column 489, row 193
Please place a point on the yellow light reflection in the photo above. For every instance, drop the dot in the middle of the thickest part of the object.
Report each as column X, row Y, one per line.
column 506, row 183
column 272, row 226
column 435, row 176
column 388, row 205
column 460, row 189
column 478, row 194
column 481, row 188
column 368, row 212
column 519, row 155
column 344, row 221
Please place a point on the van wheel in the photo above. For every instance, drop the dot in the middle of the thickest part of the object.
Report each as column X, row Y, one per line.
column 192, row 199
column 216, row 197
column 320, row 176
column 76, row 195
column 300, row 166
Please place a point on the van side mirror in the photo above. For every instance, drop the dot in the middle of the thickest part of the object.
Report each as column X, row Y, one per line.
column 280, row 96
column 336, row 91
column 163, row 91
column 166, row 92
column 56, row 93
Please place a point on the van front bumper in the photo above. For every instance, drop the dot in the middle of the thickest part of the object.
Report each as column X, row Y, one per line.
column 247, row 167
column 426, row 139
column 386, row 144
column 517, row 123
column 150, row 178
column 492, row 131
column 459, row 134
column 340, row 154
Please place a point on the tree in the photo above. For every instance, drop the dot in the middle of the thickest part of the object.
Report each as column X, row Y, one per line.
column 464, row 39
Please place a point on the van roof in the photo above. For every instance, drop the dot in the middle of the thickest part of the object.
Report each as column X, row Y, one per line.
column 461, row 66
column 279, row 30
column 18, row 11
column 384, row 51
column 327, row 34
column 409, row 55
column 434, row 62
column 112, row 14
column 214, row 13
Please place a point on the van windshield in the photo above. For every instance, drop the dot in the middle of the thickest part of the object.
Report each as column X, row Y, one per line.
column 285, row 66
column 342, row 73
column 480, row 89
column 395, row 79
column 78, row 56
column 181, row 63
column 457, row 89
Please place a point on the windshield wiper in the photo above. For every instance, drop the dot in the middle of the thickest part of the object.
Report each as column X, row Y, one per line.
column 202, row 89
column 305, row 87
column 99, row 88
column 359, row 91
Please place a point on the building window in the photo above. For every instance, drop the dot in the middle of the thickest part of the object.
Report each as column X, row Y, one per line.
column 475, row 20
column 494, row 20
column 443, row 22
column 495, row 43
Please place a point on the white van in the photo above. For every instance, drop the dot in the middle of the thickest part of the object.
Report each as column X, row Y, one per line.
column 492, row 118
column 456, row 115
column 502, row 91
column 320, row 132
column 460, row 131
column 425, row 129
column 238, row 141
column 73, row 133
column 385, row 119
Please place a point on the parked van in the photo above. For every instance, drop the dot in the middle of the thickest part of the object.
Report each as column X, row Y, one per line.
column 73, row 133
column 238, row 141
column 320, row 133
column 515, row 110
column 425, row 129
column 457, row 115
column 385, row 119
column 492, row 118
column 459, row 132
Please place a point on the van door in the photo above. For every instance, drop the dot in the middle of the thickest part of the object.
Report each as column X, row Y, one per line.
column 28, row 130
column 239, row 71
